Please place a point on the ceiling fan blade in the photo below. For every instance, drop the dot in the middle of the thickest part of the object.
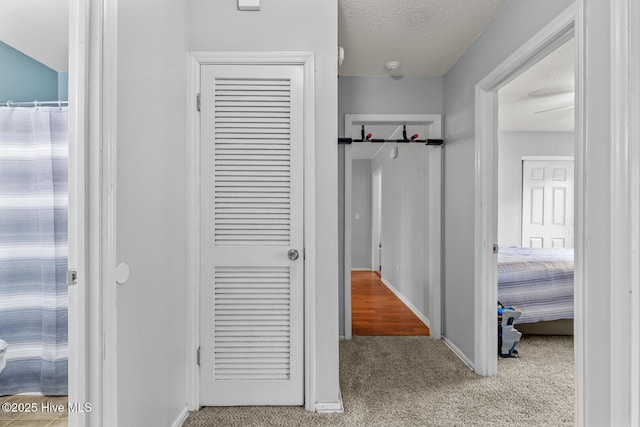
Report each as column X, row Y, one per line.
column 541, row 93
column 566, row 107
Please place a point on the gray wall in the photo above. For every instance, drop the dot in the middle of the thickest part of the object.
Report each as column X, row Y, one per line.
column 516, row 23
column 597, row 212
column 361, row 206
column 377, row 95
column 285, row 25
column 511, row 147
column 151, row 214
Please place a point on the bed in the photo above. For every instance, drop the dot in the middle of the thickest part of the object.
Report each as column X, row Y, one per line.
column 540, row 283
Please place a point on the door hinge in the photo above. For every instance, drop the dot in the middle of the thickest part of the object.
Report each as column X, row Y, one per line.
column 198, row 356
column 72, row 277
column 304, row 253
column 198, row 102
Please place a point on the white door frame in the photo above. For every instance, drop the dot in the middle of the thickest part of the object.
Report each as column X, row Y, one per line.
column 433, row 122
column 568, row 24
column 195, row 60
column 625, row 213
column 78, row 210
column 631, row 112
column 92, row 130
column 376, row 226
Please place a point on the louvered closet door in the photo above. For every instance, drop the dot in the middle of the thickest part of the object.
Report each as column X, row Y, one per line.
column 251, row 297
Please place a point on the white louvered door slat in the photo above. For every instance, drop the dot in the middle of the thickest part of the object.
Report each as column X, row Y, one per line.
column 252, row 207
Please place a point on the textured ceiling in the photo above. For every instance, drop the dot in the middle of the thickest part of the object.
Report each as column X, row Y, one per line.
column 426, row 36
column 39, row 29
column 547, row 85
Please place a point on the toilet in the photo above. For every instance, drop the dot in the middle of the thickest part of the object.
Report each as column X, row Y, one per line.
column 3, row 353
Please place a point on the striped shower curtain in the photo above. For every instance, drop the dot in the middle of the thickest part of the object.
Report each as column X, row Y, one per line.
column 33, row 249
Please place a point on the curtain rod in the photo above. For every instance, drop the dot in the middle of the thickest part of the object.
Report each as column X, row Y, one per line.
column 35, row 103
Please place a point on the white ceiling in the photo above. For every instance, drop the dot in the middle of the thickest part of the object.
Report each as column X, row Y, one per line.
column 426, row 36
column 547, row 85
column 39, row 29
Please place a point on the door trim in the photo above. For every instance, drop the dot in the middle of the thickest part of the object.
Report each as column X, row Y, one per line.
column 553, row 158
column 92, row 142
column 433, row 123
column 568, row 24
column 632, row 9
column 79, row 222
column 194, row 61
column 348, row 200
column 375, row 247
column 624, row 212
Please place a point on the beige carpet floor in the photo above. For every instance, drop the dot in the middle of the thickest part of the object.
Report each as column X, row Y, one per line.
column 418, row 381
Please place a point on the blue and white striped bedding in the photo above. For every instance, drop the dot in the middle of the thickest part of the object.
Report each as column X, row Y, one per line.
column 537, row 281
column 33, row 249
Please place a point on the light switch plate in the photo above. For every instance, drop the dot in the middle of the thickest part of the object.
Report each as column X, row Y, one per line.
column 248, row 4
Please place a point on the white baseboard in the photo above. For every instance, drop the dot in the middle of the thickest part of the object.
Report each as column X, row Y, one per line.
column 182, row 417
column 406, row 302
column 458, row 353
column 341, row 337
column 331, row 407
column 361, row 269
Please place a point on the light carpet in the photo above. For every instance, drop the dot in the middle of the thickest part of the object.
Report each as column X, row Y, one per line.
column 418, row 381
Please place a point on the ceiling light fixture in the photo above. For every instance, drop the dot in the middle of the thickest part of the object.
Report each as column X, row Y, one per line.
column 392, row 66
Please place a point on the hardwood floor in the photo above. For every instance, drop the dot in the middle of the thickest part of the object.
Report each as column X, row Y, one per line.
column 375, row 310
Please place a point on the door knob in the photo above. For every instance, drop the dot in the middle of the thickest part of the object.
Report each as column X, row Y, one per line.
column 293, row 254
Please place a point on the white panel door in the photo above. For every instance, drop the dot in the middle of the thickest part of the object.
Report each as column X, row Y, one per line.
column 251, row 297
column 547, row 203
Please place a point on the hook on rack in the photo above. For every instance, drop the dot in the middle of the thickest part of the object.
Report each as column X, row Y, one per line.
column 362, row 135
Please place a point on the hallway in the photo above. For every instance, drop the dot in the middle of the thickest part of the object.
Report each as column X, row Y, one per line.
column 377, row 311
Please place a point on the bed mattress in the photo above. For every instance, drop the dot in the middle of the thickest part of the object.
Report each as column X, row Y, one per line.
column 537, row 281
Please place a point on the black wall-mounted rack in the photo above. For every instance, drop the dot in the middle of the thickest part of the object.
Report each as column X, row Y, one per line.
column 424, row 141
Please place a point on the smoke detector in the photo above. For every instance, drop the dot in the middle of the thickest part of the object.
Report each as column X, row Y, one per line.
column 392, row 65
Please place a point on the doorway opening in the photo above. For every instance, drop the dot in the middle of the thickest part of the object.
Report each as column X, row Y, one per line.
column 554, row 35
column 392, row 221
column 376, row 222
column 535, row 207
column 36, row 230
